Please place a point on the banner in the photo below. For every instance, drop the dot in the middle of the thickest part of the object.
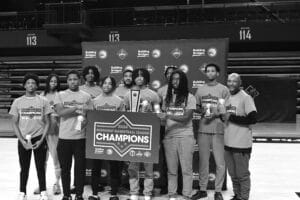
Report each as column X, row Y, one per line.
column 189, row 55
column 123, row 136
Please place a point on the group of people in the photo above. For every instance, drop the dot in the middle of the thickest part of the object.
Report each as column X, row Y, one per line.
column 48, row 122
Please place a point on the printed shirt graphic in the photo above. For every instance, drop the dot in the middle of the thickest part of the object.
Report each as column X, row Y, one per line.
column 67, row 125
column 31, row 112
column 179, row 129
column 121, row 91
column 93, row 91
column 53, row 129
column 239, row 136
column 145, row 94
column 108, row 103
column 210, row 95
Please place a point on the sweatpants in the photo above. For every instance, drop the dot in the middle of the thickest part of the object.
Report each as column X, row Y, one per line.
column 115, row 175
column 238, row 169
column 133, row 170
column 180, row 150
column 66, row 149
column 52, row 141
column 40, row 155
column 206, row 142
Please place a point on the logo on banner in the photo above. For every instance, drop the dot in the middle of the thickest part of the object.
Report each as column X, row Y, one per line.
column 176, row 53
column 143, row 53
column 116, row 69
column 252, row 91
column 150, row 68
column 156, row 53
column 184, row 68
column 90, row 54
column 122, row 53
column 129, row 67
column 102, row 54
column 212, row 52
column 123, row 137
column 198, row 52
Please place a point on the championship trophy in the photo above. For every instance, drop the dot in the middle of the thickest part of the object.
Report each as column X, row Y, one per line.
column 222, row 106
column 28, row 138
column 208, row 112
column 80, row 119
column 134, row 100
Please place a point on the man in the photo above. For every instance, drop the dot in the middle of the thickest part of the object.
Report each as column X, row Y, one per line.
column 179, row 140
column 30, row 114
column 162, row 93
column 241, row 114
column 71, row 105
column 211, row 131
column 91, row 76
column 127, row 83
column 110, row 102
column 148, row 99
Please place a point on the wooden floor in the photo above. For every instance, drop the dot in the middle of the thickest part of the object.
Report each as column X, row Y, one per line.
column 275, row 173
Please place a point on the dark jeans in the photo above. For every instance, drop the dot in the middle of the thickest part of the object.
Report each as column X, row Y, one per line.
column 115, row 175
column 39, row 158
column 66, row 149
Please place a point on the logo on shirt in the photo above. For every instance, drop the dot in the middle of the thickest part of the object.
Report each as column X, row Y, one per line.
column 69, row 104
column 123, row 137
column 175, row 111
column 209, row 99
column 31, row 113
column 231, row 109
column 107, row 107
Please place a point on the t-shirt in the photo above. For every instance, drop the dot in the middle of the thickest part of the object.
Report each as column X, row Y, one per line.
column 67, row 125
column 121, row 91
column 145, row 94
column 94, row 91
column 239, row 136
column 162, row 92
column 108, row 103
column 53, row 129
column 180, row 129
column 31, row 112
column 208, row 94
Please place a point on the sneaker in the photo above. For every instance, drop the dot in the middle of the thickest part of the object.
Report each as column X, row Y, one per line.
column 147, row 197
column 37, row 191
column 73, row 190
column 56, row 189
column 235, row 198
column 78, row 197
column 133, row 197
column 114, row 198
column 43, row 196
column 218, row 196
column 66, row 198
column 200, row 195
column 172, row 198
column 94, row 197
column 22, row 196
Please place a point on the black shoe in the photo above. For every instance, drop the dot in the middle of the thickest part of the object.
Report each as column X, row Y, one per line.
column 199, row 195
column 66, row 198
column 94, row 197
column 78, row 197
column 73, row 190
column 235, row 198
column 114, row 198
column 218, row 196
column 164, row 190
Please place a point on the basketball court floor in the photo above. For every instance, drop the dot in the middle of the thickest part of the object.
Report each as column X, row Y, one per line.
column 275, row 170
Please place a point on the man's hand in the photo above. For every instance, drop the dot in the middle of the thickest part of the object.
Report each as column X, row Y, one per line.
column 37, row 144
column 26, row 145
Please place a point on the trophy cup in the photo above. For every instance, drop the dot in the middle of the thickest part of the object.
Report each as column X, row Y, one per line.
column 28, row 138
column 208, row 112
column 145, row 104
column 80, row 119
column 157, row 108
column 222, row 106
column 134, row 100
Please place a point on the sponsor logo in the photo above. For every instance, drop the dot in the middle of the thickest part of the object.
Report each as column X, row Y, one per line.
column 176, row 53
column 31, row 113
column 143, row 53
column 102, row 54
column 99, row 151
column 122, row 136
column 150, row 68
column 104, row 173
column 109, row 151
column 116, row 69
column 122, row 54
column 231, row 109
column 212, row 52
column 184, row 68
column 90, row 54
column 129, row 67
column 156, row 53
column 147, row 154
column 198, row 52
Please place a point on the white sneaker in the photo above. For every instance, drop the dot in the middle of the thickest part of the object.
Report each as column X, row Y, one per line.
column 22, row 196
column 56, row 189
column 43, row 196
column 172, row 198
column 134, row 197
column 147, row 197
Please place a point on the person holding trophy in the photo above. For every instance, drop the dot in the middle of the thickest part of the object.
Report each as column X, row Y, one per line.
column 141, row 99
column 30, row 116
column 210, row 104
column 107, row 101
column 71, row 106
column 179, row 141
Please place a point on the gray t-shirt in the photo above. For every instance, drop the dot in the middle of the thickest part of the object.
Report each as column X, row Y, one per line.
column 67, row 125
column 121, row 91
column 31, row 112
column 207, row 94
column 93, row 91
column 108, row 103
